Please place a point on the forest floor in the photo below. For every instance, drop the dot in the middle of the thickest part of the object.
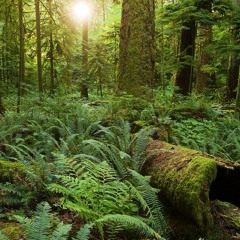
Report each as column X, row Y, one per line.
column 224, row 226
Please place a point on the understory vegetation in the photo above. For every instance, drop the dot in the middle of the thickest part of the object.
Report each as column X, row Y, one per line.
column 71, row 169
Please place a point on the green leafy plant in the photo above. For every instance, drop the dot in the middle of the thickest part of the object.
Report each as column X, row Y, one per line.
column 41, row 226
column 220, row 138
column 95, row 190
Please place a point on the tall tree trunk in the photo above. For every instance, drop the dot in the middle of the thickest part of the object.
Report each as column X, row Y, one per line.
column 84, row 86
column 51, row 51
column 2, row 109
column 234, row 63
column 21, row 54
column 205, row 79
column 232, row 77
column 233, row 70
column 187, row 46
column 104, row 11
column 39, row 49
column 137, row 47
column 237, row 107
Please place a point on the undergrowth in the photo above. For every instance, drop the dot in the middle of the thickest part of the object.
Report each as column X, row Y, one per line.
column 71, row 157
column 84, row 158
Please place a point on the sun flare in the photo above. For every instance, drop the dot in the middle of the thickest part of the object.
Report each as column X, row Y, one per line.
column 81, row 11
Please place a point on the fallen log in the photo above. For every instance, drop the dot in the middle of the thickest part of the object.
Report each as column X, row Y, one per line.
column 189, row 180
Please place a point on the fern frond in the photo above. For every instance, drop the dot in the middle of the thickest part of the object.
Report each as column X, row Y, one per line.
column 12, row 194
column 37, row 228
column 148, row 196
column 130, row 223
column 106, row 153
column 4, row 237
column 139, row 155
column 84, row 232
column 61, row 232
column 95, row 191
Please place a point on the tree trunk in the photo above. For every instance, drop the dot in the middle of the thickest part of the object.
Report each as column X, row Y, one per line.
column 236, row 72
column 189, row 179
column 84, row 86
column 233, row 70
column 185, row 72
column 104, row 11
column 21, row 54
column 2, row 109
column 51, row 51
column 39, row 48
column 137, row 57
column 205, row 79
column 237, row 107
column 232, row 77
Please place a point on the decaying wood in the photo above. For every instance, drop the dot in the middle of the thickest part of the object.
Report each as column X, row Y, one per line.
column 189, row 180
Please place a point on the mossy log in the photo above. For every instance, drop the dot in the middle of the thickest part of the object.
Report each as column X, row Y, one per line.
column 189, row 180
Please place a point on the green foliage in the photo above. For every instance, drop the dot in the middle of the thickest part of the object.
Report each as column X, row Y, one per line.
column 149, row 202
column 220, row 138
column 3, row 236
column 30, row 187
column 132, row 224
column 84, row 232
column 105, row 173
column 41, row 227
column 194, row 134
column 96, row 192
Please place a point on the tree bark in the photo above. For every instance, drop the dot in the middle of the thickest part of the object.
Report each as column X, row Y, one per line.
column 2, row 109
column 187, row 47
column 237, row 107
column 232, row 77
column 39, row 47
column 205, row 79
column 21, row 77
column 137, row 47
column 189, row 179
column 51, row 50
column 84, row 86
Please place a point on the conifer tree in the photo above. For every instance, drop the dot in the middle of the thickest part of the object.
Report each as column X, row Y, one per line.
column 137, row 57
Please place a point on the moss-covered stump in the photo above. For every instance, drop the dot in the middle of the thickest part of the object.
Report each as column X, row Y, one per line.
column 189, row 179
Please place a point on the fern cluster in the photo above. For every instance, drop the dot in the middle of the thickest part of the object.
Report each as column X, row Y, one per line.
column 43, row 225
column 92, row 168
column 95, row 191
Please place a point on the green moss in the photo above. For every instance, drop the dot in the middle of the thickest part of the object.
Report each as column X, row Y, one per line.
column 229, row 212
column 185, row 178
column 9, row 170
column 137, row 125
column 12, row 230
